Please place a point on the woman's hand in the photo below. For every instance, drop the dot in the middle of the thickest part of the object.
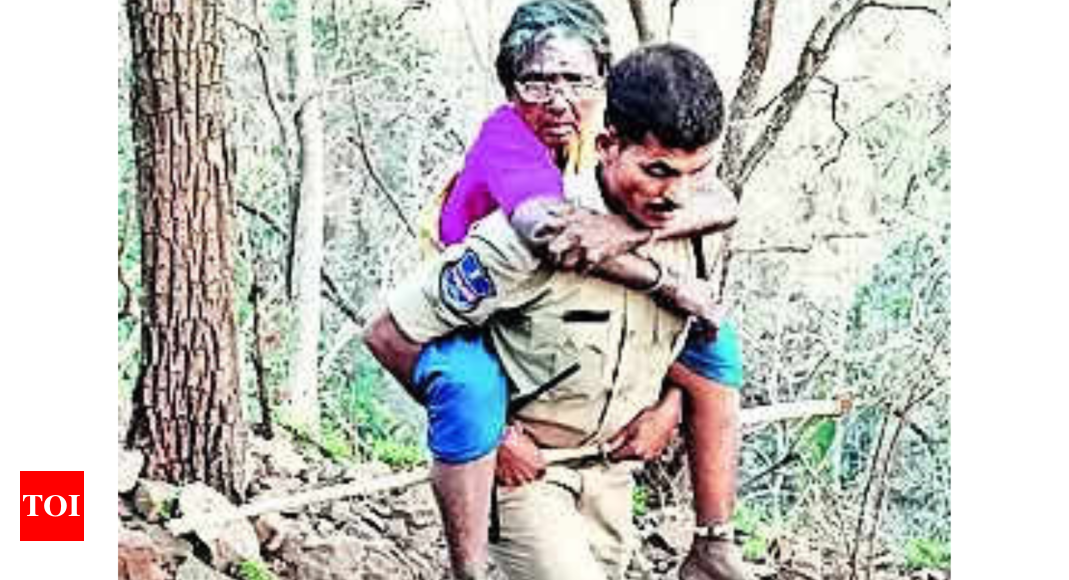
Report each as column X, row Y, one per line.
column 588, row 239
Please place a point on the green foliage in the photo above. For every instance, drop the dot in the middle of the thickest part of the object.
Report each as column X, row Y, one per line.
column 282, row 10
column 397, row 453
column 331, row 441
column 354, row 400
column 169, row 507
column 336, row 443
column 640, row 496
column 751, row 524
column 360, row 424
column 254, row 570
column 927, row 553
column 819, row 440
column 755, row 548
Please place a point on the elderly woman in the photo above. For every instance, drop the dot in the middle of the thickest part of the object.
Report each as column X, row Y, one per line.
column 553, row 59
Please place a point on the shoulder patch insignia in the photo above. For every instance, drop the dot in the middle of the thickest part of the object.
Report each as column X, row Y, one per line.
column 464, row 283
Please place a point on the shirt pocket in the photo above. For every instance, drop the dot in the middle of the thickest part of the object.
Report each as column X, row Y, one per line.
column 583, row 340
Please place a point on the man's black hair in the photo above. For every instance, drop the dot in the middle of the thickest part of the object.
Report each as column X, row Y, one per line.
column 668, row 91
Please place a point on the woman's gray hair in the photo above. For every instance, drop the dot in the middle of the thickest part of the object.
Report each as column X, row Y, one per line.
column 538, row 20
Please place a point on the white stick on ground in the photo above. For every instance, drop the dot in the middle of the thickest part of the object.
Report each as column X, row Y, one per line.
column 748, row 418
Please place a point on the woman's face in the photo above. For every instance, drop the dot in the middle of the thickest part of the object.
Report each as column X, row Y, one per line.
column 574, row 95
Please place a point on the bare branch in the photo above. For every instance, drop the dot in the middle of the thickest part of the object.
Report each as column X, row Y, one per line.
column 843, row 133
column 776, row 249
column 671, row 18
column 642, row 21
column 336, row 298
column 330, row 287
column 806, row 248
column 788, row 458
column 261, row 50
column 881, row 489
column 365, row 155
column 880, row 466
column 411, row 6
column 822, row 41
column 911, row 186
column 743, row 102
column 860, row 528
column 256, row 292
column 944, row 105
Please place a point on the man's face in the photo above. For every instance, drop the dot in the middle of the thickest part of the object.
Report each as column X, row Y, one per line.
column 564, row 76
column 650, row 182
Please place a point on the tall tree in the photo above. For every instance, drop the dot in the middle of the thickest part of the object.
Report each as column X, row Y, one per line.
column 302, row 397
column 186, row 406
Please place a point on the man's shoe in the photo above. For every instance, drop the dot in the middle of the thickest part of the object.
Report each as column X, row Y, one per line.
column 714, row 559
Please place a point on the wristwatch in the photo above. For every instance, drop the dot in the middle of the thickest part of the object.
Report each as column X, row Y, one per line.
column 716, row 531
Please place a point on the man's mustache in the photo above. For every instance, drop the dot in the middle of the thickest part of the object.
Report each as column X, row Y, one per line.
column 663, row 206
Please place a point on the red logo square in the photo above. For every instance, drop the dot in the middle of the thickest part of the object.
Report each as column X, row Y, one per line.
column 51, row 505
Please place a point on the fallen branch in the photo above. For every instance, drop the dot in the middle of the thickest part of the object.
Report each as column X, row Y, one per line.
column 396, row 481
column 393, row 481
column 756, row 416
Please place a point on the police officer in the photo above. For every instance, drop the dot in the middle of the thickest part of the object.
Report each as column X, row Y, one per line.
column 585, row 359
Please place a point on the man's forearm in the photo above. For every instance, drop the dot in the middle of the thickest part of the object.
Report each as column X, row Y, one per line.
column 688, row 296
column 717, row 214
column 395, row 352
column 630, row 270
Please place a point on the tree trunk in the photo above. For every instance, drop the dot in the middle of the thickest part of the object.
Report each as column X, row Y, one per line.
column 302, row 400
column 186, row 406
column 642, row 21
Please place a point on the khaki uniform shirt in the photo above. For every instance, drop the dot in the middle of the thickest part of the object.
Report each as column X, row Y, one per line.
column 585, row 356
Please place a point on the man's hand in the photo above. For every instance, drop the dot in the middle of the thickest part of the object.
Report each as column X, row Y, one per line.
column 647, row 435
column 518, row 459
column 714, row 560
column 588, row 239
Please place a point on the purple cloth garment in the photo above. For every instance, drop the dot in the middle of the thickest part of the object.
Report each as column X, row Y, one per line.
column 505, row 166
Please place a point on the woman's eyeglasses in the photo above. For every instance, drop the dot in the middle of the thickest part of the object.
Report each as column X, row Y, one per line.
column 537, row 91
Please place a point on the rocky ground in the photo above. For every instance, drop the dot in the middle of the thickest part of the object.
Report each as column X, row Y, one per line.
column 393, row 535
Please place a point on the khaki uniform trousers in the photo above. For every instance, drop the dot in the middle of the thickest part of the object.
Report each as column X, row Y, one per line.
column 572, row 524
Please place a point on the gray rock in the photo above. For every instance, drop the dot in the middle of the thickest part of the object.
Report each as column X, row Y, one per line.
column 331, row 472
column 273, row 530
column 194, row 569
column 155, row 500
column 324, row 527
column 341, row 558
column 280, row 456
column 139, row 557
column 125, row 411
column 340, row 511
column 929, row 574
column 230, row 542
column 131, row 462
